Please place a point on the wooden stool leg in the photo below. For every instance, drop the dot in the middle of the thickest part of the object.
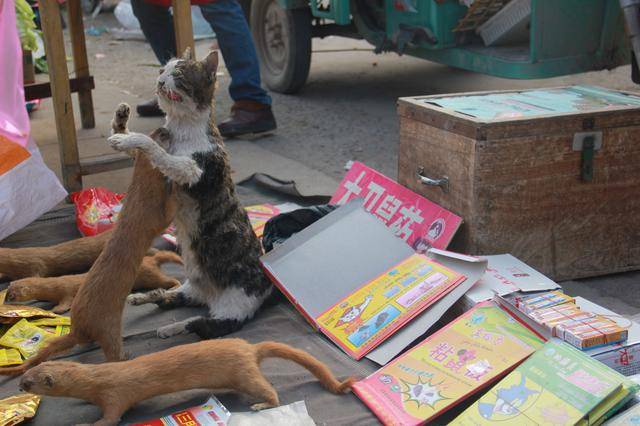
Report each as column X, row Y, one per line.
column 183, row 27
column 80, row 62
column 61, row 94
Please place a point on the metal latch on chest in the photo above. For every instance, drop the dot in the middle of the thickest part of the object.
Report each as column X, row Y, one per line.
column 588, row 143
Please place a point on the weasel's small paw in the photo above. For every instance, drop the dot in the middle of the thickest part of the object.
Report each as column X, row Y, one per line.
column 171, row 330
column 261, row 406
column 162, row 136
column 137, row 299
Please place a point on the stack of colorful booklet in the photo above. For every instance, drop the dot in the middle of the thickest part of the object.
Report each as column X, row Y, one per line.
column 459, row 360
column 561, row 317
column 557, row 385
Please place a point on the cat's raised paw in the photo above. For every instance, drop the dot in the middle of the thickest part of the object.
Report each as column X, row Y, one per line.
column 127, row 142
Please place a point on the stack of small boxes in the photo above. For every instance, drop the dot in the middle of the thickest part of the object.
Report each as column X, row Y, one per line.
column 565, row 320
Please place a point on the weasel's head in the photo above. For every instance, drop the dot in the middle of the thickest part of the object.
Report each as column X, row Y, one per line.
column 20, row 291
column 186, row 86
column 53, row 378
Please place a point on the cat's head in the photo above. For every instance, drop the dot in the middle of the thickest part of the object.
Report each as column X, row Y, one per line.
column 186, row 86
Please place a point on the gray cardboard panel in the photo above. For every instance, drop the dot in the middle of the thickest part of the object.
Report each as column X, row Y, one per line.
column 472, row 268
column 333, row 257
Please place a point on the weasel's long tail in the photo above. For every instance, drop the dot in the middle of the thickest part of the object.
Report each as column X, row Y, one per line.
column 165, row 256
column 55, row 346
column 120, row 119
column 317, row 368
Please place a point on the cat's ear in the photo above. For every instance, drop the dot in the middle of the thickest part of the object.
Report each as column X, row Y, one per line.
column 187, row 53
column 211, row 62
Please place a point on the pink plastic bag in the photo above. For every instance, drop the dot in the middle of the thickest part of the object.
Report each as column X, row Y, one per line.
column 14, row 120
column 27, row 187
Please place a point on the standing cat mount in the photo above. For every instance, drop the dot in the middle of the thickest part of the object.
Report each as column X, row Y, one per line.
column 588, row 143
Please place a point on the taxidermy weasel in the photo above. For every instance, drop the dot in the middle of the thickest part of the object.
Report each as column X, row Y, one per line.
column 62, row 290
column 70, row 257
column 211, row 364
column 96, row 311
column 219, row 248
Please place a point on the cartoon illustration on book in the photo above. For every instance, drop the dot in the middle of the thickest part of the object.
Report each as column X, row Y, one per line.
column 509, row 400
column 354, row 312
column 556, row 415
column 422, row 393
column 373, row 325
column 435, row 230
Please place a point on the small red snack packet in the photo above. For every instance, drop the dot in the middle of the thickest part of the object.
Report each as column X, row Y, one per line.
column 97, row 209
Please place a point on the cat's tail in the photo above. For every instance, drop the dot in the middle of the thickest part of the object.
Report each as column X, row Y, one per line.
column 166, row 256
column 316, row 367
column 121, row 119
column 54, row 347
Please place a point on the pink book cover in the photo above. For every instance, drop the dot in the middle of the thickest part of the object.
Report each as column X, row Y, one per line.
column 465, row 356
column 421, row 223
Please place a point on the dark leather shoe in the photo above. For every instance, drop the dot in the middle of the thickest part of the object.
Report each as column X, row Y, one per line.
column 248, row 117
column 150, row 109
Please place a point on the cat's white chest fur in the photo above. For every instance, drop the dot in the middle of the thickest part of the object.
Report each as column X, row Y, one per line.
column 188, row 137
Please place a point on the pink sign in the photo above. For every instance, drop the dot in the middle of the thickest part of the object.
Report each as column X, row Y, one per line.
column 420, row 222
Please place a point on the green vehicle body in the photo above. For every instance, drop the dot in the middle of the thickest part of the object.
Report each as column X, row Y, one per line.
column 566, row 36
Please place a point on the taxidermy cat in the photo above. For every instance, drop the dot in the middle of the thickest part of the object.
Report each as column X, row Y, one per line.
column 218, row 246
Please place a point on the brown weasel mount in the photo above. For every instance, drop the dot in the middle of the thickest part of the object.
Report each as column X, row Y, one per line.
column 70, row 257
column 96, row 312
column 62, row 290
column 209, row 364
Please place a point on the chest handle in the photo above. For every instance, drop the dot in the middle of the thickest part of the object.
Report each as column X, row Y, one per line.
column 442, row 182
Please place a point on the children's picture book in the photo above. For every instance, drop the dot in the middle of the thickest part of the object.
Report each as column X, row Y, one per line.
column 363, row 319
column 459, row 360
column 421, row 223
column 211, row 413
column 557, row 385
column 337, row 269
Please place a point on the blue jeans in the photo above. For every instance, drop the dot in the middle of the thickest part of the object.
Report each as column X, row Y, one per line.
column 234, row 38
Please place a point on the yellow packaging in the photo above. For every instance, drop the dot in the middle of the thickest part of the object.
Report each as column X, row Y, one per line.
column 11, row 312
column 59, row 330
column 51, row 322
column 25, row 337
column 10, row 357
column 3, row 296
column 17, row 409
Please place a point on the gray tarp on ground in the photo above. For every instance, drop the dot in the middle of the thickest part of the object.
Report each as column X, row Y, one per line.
column 280, row 323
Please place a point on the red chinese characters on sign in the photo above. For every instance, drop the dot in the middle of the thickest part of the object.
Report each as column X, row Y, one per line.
column 420, row 222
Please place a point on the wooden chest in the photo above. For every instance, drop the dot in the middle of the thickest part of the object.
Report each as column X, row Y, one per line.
column 550, row 176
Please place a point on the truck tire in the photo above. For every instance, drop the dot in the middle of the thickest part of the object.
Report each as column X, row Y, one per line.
column 283, row 41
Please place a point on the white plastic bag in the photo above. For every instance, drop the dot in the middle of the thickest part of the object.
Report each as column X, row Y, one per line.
column 285, row 415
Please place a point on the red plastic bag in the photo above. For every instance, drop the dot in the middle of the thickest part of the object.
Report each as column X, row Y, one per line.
column 97, row 209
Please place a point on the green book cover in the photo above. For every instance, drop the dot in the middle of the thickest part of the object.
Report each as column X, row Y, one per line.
column 557, row 385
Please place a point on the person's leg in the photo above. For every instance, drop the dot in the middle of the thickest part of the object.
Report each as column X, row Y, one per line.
column 157, row 26
column 251, row 112
column 234, row 38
